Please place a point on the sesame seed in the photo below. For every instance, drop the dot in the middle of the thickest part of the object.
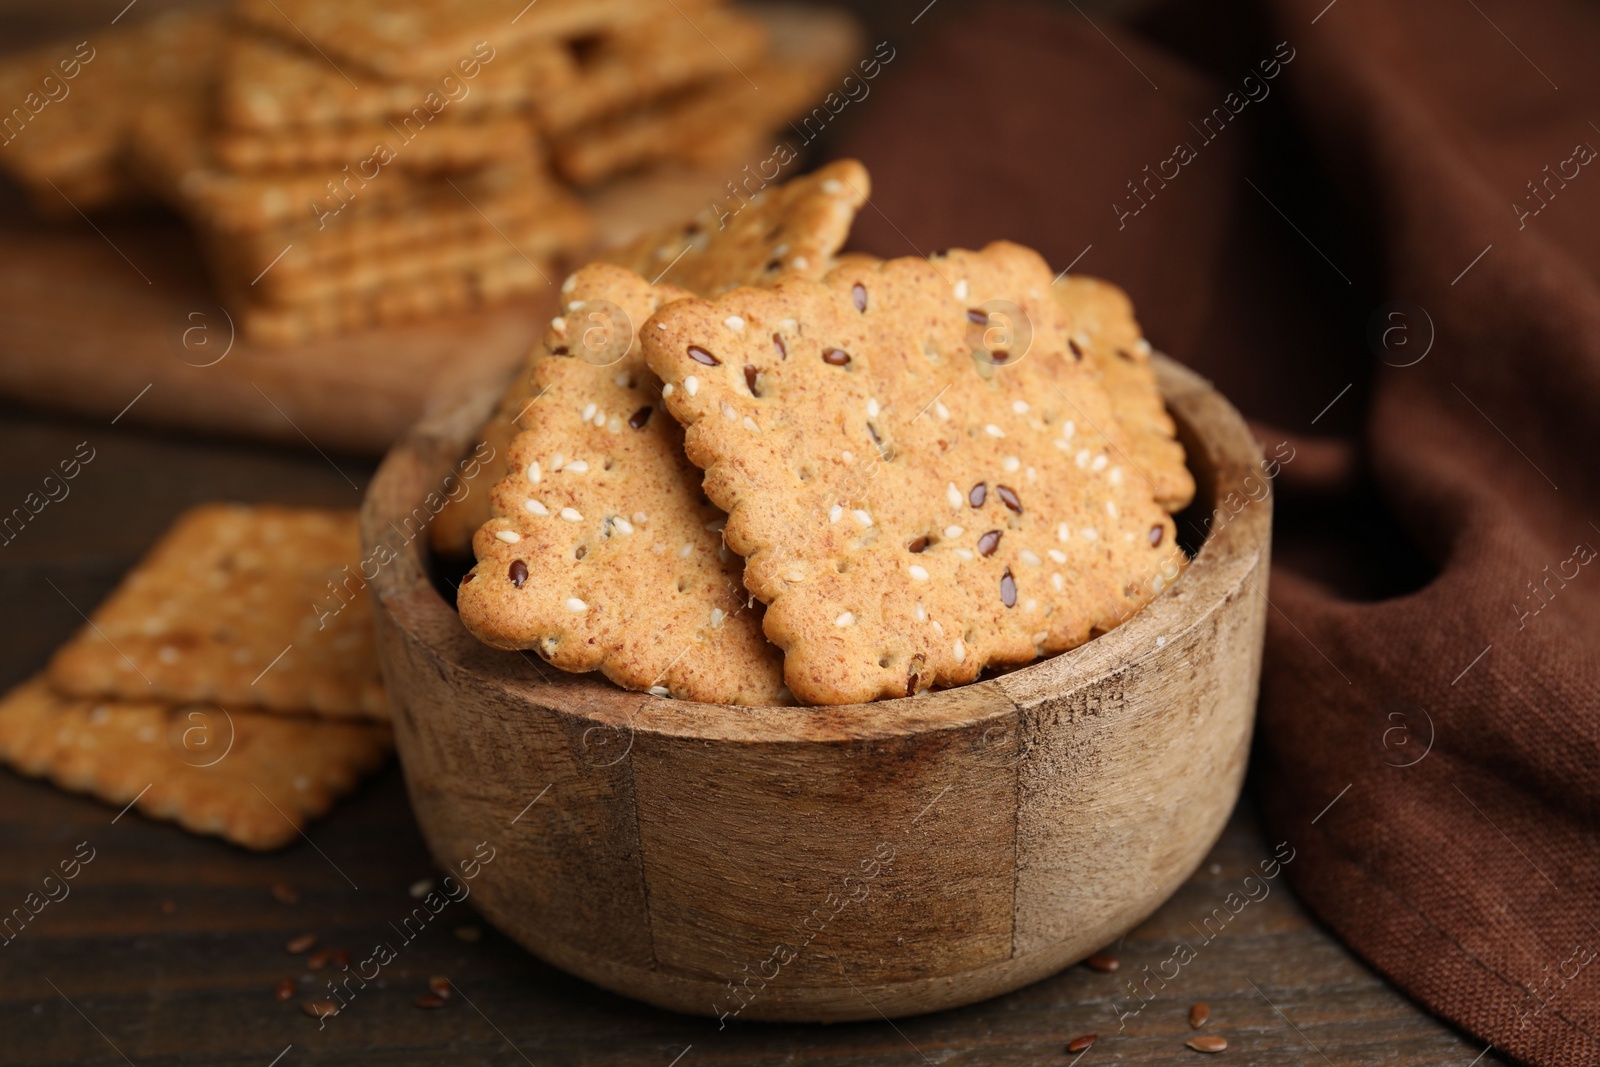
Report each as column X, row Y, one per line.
column 558, row 324
column 733, row 322
column 1082, row 458
column 534, row 507
column 1082, row 339
column 557, row 461
column 1111, row 508
column 691, row 385
column 938, row 629
column 614, row 424
column 716, row 617
column 571, row 515
column 640, row 517
column 576, row 605
column 832, row 186
column 1063, row 534
column 1057, row 581
column 168, row 654
column 965, row 553
column 716, row 525
column 1019, row 406
column 570, row 284
column 787, row 325
column 953, row 532
column 1057, row 555
column 661, row 326
column 959, row 650
column 921, row 612
column 660, row 691
column 533, row 471
column 1032, row 475
column 1115, row 477
column 622, row 380
column 993, row 431
column 1142, row 347
column 728, row 412
column 1091, row 534
column 794, row 574
column 872, row 407
column 668, row 389
column 600, row 418
column 1099, row 464
column 750, row 424
column 577, row 466
column 683, row 553
column 918, row 573
column 1030, row 559
column 1059, row 443
column 835, row 513
column 510, row 537
column 862, row 516
column 800, row 262
column 1030, row 605
column 846, row 618
column 1068, row 428
column 953, row 495
column 848, row 456
column 622, row 525
column 961, row 290
column 588, row 413
column 1011, row 463
column 942, row 411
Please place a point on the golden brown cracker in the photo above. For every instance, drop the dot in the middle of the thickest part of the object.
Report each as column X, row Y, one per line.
column 1101, row 326
column 602, row 554
column 769, row 233
column 922, row 478
column 253, row 779
column 456, row 145
column 252, row 606
column 272, row 85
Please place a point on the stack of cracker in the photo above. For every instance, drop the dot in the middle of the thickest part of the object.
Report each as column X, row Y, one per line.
column 351, row 163
column 771, row 473
column 229, row 684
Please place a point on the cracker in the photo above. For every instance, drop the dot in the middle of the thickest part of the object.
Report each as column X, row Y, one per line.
column 602, row 554
column 418, row 39
column 253, row 779
column 1101, row 324
column 65, row 136
column 270, row 85
column 251, row 606
column 790, row 230
column 454, row 145
column 438, row 293
column 651, row 59
column 910, row 511
column 799, row 226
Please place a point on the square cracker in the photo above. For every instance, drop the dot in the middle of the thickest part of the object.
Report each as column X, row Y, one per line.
column 602, row 554
column 269, row 85
column 250, row 606
column 253, row 779
column 794, row 229
column 454, row 145
column 420, row 39
column 1102, row 327
column 922, row 478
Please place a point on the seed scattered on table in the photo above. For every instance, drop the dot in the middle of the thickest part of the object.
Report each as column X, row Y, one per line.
column 301, row 943
column 285, row 989
column 440, row 986
column 319, row 1009
column 1103, row 962
column 1081, row 1043
column 421, row 888
column 1208, row 1043
column 320, row 959
column 284, row 893
column 1198, row 1014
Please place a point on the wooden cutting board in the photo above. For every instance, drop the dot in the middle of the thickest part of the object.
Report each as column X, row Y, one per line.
column 114, row 319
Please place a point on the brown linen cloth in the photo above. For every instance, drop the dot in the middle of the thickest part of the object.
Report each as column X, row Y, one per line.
column 1429, row 732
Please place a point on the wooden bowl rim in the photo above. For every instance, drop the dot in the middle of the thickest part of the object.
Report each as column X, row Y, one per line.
column 403, row 591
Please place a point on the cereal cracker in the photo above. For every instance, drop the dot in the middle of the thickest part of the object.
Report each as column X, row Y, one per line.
column 602, row 554
column 922, row 478
column 251, row 606
column 1102, row 326
column 253, row 779
column 455, row 145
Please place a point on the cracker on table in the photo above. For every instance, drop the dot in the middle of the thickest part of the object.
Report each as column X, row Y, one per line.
column 603, row 554
column 796, row 228
column 793, row 229
column 76, row 126
column 365, row 37
column 271, row 85
column 251, row 778
column 922, row 478
column 1101, row 324
column 642, row 61
column 251, row 606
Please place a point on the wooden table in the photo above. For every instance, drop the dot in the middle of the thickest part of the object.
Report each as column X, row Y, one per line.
column 169, row 947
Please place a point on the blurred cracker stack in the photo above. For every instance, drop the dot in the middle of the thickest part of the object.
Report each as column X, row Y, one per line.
column 354, row 163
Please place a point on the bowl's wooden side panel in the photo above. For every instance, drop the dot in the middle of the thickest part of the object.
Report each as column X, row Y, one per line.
column 776, row 868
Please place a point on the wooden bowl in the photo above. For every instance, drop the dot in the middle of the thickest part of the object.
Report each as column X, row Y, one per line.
column 833, row 863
